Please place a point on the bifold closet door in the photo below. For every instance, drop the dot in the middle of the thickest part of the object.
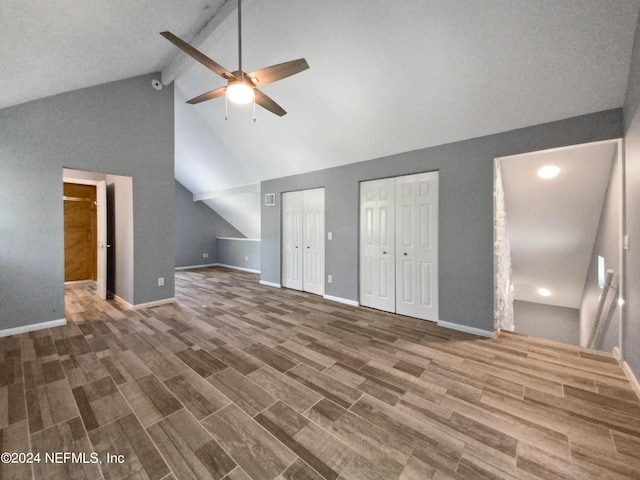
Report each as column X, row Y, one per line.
column 303, row 240
column 417, row 245
column 292, row 240
column 399, row 245
column 313, row 240
column 377, row 244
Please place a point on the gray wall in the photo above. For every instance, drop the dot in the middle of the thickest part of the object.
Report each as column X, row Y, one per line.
column 607, row 245
column 561, row 324
column 197, row 227
column 631, row 326
column 123, row 128
column 243, row 253
column 466, row 210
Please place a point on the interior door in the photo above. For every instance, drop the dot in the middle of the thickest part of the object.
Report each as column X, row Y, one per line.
column 79, row 232
column 111, row 240
column 417, row 245
column 292, row 240
column 313, row 240
column 101, row 255
column 377, row 244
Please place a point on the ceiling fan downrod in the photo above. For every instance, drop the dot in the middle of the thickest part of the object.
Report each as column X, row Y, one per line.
column 240, row 37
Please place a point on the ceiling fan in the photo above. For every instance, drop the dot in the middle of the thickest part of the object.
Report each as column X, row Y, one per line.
column 241, row 86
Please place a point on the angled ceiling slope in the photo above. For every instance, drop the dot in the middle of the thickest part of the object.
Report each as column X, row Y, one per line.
column 385, row 77
column 388, row 77
column 54, row 47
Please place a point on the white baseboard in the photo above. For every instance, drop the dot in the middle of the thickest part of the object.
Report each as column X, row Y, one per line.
column 250, row 270
column 123, row 302
column 143, row 305
column 270, row 284
column 346, row 301
column 197, row 266
column 632, row 378
column 233, row 267
column 465, row 328
column 34, row 326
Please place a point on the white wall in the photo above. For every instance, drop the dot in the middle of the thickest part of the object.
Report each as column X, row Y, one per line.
column 123, row 224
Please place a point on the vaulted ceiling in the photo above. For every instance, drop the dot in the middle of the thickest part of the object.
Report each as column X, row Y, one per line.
column 385, row 77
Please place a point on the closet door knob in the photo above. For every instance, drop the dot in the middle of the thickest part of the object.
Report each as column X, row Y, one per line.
column 405, row 254
column 384, row 253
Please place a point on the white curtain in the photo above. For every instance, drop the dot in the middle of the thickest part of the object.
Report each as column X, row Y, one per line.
column 503, row 304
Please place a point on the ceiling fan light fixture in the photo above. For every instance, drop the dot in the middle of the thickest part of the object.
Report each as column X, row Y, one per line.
column 240, row 93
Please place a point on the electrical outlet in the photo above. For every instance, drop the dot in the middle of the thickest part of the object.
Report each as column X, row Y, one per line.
column 246, row 259
column 161, row 281
column 205, row 255
column 329, row 235
column 329, row 278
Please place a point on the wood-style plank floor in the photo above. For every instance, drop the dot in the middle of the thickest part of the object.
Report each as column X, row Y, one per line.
column 240, row 381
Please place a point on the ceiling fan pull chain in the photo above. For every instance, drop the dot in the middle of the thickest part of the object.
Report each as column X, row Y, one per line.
column 254, row 108
column 226, row 108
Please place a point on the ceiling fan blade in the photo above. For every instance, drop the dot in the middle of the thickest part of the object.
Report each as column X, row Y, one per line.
column 199, row 56
column 266, row 102
column 218, row 92
column 278, row 72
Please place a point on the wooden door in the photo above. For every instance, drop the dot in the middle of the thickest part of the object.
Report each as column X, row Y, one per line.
column 377, row 244
column 80, row 232
column 313, row 240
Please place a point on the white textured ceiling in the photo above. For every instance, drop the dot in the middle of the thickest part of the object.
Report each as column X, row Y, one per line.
column 552, row 224
column 50, row 47
column 385, row 76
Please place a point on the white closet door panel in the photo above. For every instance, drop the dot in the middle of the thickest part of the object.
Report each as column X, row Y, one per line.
column 292, row 240
column 399, row 245
column 427, row 192
column 405, row 239
column 377, row 244
column 426, row 284
column 417, row 231
column 313, row 241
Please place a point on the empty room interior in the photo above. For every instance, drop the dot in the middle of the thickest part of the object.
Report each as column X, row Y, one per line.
column 307, row 240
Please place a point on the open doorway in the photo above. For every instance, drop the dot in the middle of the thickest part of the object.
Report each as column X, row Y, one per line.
column 105, row 222
column 559, row 230
column 80, row 232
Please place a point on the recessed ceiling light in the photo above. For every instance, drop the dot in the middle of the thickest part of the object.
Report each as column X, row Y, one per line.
column 548, row 171
column 544, row 292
